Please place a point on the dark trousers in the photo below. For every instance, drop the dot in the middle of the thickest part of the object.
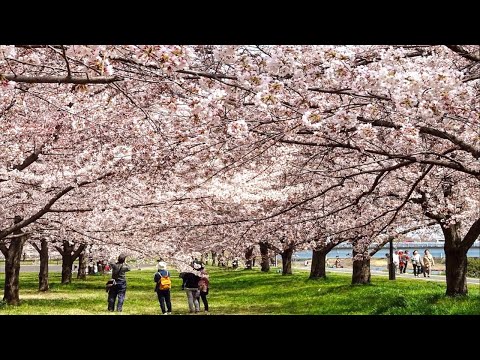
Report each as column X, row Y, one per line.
column 164, row 297
column 117, row 290
column 405, row 267
column 426, row 271
column 415, row 271
column 203, row 295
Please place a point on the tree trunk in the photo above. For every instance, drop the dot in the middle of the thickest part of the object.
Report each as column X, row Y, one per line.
column 13, row 255
column 67, row 262
column 287, row 261
column 248, row 258
column 265, row 260
column 455, row 261
column 69, row 255
column 391, row 265
column 214, row 257
column 43, row 273
column 361, row 270
column 317, row 270
column 12, row 272
column 82, row 266
column 456, row 271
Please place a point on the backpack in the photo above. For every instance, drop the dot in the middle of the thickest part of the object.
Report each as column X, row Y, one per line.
column 110, row 284
column 164, row 283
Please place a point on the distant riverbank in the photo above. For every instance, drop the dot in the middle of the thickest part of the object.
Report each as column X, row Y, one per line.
column 378, row 264
column 346, row 253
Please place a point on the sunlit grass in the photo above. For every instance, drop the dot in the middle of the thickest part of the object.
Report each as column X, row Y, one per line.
column 248, row 292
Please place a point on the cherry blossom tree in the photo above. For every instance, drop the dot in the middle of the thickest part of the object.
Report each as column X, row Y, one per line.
column 66, row 124
column 401, row 105
column 147, row 148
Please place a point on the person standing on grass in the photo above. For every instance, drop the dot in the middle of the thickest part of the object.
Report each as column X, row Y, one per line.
column 203, row 286
column 163, row 293
column 190, row 285
column 428, row 263
column 120, row 288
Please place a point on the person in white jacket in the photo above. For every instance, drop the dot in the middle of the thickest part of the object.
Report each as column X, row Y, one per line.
column 396, row 260
column 416, row 263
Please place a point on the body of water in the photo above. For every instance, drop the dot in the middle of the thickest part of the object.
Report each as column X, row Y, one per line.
column 344, row 253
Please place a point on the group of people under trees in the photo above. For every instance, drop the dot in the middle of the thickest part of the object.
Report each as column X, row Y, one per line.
column 195, row 283
column 421, row 264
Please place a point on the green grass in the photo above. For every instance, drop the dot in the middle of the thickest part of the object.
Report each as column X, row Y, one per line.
column 248, row 292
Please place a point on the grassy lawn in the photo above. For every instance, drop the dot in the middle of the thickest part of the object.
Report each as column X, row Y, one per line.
column 248, row 292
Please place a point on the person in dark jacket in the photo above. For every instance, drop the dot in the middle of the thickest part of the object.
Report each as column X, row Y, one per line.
column 120, row 288
column 190, row 285
column 163, row 295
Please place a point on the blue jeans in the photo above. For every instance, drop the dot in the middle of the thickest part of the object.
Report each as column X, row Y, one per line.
column 117, row 290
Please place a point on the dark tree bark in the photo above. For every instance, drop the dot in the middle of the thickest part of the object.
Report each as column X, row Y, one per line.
column 317, row 269
column 248, row 258
column 67, row 263
column 361, row 270
column 287, row 261
column 391, row 265
column 264, row 254
column 456, row 272
column 82, row 266
column 455, row 247
column 319, row 261
column 69, row 255
column 43, row 273
column 214, row 257
column 455, row 261
column 13, row 255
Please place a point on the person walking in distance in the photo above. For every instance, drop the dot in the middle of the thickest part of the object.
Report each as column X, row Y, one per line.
column 162, row 287
column 203, row 286
column 416, row 263
column 406, row 259
column 396, row 260
column 119, row 289
column 401, row 263
column 428, row 263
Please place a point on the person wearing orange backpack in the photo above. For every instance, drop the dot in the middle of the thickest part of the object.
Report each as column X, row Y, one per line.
column 163, row 285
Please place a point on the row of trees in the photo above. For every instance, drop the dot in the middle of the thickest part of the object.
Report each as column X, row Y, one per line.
column 167, row 150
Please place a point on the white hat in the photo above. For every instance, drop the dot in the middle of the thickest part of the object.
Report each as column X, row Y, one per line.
column 162, row 265
column 197, row 266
